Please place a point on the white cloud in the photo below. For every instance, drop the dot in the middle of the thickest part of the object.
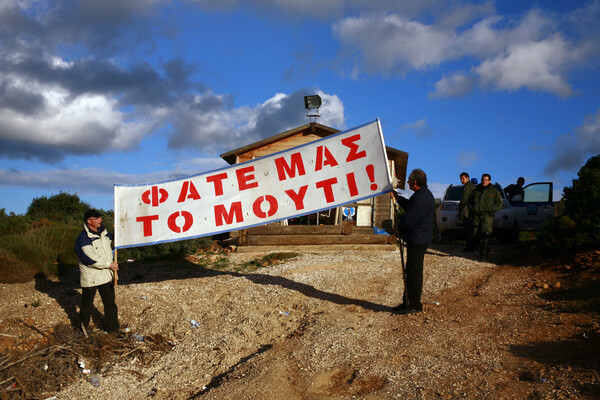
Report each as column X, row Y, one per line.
column 494, row 34
column 532, row 65
column 570, row 151
column 456, row 85
column 392, row 43
column 318, row 9
column 529, row 53
column 420, row 128
column 98, row 180
column 84, row 124
column 332, row 111
column 226, row 129
column 467, row 158
column 437, row 189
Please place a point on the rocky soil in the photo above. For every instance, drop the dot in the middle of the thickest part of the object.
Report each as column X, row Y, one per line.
column 317, row 326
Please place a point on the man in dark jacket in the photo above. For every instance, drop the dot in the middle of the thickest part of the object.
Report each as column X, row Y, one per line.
column 485, row 202
column 463, row 211
column 416, row 228
column 514, row 190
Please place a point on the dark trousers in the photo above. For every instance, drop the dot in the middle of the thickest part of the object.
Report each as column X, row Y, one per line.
column 468, row 230
column 414, row 274
column 107, row 294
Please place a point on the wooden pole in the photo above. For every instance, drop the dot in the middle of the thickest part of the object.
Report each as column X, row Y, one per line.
column 115, row 276
column 401, row 246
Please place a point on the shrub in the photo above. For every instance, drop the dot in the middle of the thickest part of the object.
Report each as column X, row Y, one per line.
column 42, row 249
column 13, row 270
column 43, row 240
column 14, row 224
column 581, row 200
column 180, row 248
column 579, row 226
column 63, row 207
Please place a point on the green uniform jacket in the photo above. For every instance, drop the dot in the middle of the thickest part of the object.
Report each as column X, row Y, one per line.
column 486, row 200
column 463, row 206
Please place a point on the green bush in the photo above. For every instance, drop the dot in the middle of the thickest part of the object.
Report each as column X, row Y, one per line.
column 62, row 207
column 180, row 248
column 43, row 240
column 582, row 199
column 41, row 249
column 13, row 270
column 579, row 226
column 14, row 224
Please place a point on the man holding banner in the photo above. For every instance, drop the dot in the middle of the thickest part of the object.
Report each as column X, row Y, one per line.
column 416, row 228
column 96, row 270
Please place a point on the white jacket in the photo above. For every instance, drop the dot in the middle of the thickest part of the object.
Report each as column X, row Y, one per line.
column 95, row 256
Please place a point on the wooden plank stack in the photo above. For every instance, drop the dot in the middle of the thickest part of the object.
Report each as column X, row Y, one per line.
column 312, row 238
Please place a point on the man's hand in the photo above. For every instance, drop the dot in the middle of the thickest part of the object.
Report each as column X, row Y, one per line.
column 114, row 266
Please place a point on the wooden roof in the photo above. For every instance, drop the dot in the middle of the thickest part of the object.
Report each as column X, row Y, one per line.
column 399, row 157
column 313, row 128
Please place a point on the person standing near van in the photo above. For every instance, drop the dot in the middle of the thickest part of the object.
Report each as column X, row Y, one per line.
column 485, row 202
column 515, row 189
column 463, row 210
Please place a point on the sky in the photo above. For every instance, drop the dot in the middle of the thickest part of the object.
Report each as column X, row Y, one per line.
column 98, row 92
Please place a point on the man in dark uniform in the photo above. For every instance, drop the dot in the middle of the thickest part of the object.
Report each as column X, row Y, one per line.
column 513, row 190
column 485, row 202
column 463, row 211
column 416, row 227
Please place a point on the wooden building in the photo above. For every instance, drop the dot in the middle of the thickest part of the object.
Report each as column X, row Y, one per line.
column 349, row 225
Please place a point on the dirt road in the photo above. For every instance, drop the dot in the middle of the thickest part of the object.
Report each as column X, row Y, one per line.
column 319, row 327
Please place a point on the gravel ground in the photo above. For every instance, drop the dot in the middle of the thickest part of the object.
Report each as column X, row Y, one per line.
column 319, row 327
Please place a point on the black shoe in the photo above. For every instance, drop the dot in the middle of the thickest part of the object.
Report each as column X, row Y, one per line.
column 399, row 307
column 409, row 310
column 482, row 256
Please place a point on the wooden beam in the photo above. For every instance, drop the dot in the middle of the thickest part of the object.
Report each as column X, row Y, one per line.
column 317, row 248
column 275, row 240
column 306, row 230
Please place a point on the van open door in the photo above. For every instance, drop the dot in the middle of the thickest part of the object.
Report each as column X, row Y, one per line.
column 535, row 207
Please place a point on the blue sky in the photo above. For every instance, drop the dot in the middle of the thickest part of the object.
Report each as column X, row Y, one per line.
column 94, row 92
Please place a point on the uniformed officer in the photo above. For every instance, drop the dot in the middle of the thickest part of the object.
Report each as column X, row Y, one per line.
column 463, row 211
column 514, row 190
column 485, row 202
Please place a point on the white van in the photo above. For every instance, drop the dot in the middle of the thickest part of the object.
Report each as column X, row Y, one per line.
column 527, row 214
column 535, row 207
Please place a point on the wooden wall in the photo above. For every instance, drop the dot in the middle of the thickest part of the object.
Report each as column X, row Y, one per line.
column 294, row 140
column 383, row 211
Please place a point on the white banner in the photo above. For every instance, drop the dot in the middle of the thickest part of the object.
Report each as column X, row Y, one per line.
column 339, row 169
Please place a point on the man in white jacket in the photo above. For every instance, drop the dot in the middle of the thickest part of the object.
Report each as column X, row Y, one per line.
column 96, row 271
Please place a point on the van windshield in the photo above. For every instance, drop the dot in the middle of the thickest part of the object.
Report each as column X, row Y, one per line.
column 455, row 193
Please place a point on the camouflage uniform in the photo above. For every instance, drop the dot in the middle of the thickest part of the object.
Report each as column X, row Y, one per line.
column 485, row 202
column 463, row 215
